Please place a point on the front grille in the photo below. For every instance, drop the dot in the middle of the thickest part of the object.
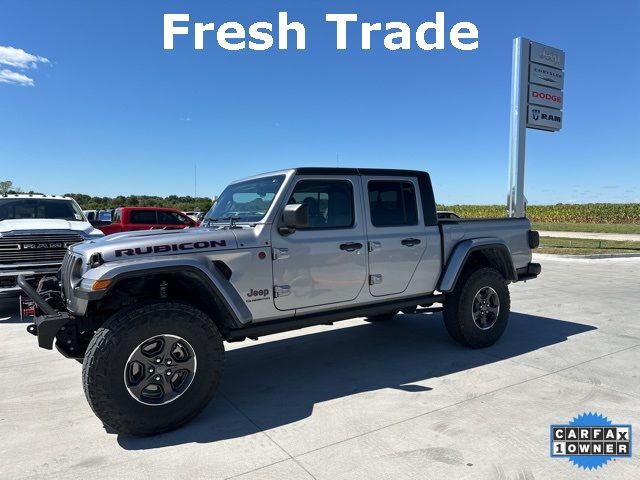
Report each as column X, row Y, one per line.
column 36, row 248
column 66, row 271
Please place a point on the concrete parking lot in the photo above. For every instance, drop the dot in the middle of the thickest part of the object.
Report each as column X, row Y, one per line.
column 359, row 400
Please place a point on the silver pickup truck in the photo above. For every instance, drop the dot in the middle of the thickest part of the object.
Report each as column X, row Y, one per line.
column 147, row 312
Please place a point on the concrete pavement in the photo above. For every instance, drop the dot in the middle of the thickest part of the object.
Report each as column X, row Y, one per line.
column 623, row 237
column 362, row 401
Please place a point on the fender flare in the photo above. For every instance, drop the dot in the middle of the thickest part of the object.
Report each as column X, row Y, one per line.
column 212, row 278
column 462, row 251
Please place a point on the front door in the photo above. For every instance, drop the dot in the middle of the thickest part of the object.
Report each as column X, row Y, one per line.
column 326, row 262
column 396, row 233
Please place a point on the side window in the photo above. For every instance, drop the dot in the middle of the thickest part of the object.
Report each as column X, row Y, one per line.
column 171, row 218
column 143, row 216
column 116, row 216
column 330, row 202
column 392, row 203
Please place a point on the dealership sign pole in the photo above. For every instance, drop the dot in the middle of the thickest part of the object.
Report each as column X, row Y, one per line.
column 537, row 83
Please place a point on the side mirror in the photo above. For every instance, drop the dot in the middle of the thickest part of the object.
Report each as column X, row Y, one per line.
column 294, row 216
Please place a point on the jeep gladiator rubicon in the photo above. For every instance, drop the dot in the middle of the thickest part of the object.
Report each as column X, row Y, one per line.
column 147, row 312
column 35, row 231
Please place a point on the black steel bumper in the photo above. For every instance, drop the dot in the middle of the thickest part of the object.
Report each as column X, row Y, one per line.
column 529, row 272
column 46, row 326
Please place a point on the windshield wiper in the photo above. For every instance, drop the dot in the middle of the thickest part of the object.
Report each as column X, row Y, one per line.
column 232, row 221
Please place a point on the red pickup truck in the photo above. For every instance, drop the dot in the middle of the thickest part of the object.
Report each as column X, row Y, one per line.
column 127, row 219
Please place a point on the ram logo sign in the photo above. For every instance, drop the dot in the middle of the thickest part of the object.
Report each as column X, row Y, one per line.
column 45, row 246
column 546, row 118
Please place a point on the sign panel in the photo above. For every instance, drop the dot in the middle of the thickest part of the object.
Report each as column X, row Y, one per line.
column 547, row 76
column 547, row 97
column 551, row 57
column 544, row 118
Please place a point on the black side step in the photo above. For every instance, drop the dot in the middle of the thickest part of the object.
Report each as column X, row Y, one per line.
column 312, row 319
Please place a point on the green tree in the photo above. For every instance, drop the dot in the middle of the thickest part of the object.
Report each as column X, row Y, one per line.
column 5, row 187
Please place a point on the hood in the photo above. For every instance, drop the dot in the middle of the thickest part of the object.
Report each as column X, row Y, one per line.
column 149, row 243
column 25, row 224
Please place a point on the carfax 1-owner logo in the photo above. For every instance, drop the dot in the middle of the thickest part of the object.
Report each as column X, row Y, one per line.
column 590, row 440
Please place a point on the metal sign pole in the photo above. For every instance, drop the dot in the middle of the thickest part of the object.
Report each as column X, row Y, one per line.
column 537, row 95
column 518, row 128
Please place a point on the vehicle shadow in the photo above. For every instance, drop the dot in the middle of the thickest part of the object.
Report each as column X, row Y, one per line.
column 278, row 383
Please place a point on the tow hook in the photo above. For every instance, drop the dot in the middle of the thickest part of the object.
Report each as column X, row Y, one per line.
column 33, row 329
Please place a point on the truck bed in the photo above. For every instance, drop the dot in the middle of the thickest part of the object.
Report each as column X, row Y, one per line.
column 514, row 231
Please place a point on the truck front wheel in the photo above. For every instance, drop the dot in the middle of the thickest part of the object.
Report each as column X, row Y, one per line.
column 477, row 312
column 153, row 367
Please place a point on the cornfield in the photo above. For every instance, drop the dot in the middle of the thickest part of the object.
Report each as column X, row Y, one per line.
column 560, row 213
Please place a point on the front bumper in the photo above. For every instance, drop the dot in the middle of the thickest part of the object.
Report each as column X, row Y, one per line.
column 46, row 326
column 9, row 278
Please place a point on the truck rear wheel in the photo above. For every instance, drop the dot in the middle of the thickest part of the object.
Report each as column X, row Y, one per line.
column 477, row 312
column 153, row 367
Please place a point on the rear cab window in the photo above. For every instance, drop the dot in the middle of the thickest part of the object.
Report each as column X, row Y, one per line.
column 392, row 203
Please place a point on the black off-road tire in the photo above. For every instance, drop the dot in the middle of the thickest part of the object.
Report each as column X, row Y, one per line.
column 103, row 370
column 458, row 308
column 382, row 317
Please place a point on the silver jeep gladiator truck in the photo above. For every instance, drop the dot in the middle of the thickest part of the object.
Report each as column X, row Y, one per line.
column 147, row 312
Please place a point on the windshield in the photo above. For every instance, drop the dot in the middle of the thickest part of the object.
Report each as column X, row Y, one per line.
column 27, row 208
column 245, row 201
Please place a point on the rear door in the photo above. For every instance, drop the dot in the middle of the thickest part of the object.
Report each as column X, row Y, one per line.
column 326, row 262
column 395, row 232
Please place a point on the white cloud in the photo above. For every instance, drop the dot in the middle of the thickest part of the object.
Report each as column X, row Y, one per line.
column 18, row 58
column 8, row 76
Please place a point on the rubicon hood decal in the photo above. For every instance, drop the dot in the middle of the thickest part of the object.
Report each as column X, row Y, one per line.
column 116, row 247
column 173, row 247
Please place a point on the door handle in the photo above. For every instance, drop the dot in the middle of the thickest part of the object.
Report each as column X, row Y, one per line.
column 410, row 242
column 351, row 246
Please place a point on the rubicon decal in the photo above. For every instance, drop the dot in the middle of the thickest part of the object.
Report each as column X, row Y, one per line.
column 173, row 247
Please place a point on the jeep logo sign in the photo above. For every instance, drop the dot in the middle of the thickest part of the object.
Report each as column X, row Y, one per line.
column 545, row 55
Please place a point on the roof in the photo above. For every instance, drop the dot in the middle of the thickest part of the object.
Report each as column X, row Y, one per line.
column 35, row 195
column 388, row 172
column 135, row 207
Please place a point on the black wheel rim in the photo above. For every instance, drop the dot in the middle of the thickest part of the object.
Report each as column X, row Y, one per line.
column 485, row 308
column 160, row 369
